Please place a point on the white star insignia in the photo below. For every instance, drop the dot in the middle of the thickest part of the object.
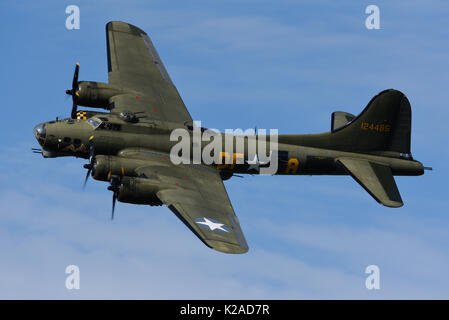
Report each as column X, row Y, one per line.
column 255, row 163
column 212, row 225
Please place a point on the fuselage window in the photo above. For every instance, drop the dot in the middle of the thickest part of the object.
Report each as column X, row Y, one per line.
column 67, row 139
column 94, row 122
column 77, row 142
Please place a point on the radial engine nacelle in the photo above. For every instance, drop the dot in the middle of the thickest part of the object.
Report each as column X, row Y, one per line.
column 96, row 94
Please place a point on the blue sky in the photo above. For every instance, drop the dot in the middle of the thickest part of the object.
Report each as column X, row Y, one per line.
column 276, row 64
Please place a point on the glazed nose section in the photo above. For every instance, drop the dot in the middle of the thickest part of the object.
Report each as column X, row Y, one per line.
column 40, row 131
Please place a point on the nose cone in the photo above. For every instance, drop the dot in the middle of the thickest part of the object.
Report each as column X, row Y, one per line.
column 40, row 131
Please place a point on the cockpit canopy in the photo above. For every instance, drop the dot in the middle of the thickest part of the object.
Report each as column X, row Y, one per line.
column 99, row 123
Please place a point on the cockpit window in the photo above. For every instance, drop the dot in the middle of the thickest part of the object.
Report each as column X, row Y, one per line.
column 94, row 122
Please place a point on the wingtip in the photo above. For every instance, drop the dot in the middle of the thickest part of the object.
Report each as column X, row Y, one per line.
column 227, row 247
column 392, row 204
column 123, row 26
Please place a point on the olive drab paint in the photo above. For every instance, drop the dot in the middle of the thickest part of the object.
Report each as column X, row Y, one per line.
column 128, row 144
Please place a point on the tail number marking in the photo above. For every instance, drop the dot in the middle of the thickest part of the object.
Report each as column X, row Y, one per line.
column 376, row 127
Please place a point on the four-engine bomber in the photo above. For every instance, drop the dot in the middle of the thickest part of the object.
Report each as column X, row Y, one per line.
column 129, row 144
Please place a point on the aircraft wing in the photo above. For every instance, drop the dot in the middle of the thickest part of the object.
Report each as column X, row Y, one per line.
column 375, row 178
column 135, row 66
column 197, row 196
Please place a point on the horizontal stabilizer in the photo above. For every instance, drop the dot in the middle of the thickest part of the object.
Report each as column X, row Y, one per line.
column 375, row 178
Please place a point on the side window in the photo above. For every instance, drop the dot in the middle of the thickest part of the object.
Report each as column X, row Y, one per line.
column 77, row 142
column 67, row 139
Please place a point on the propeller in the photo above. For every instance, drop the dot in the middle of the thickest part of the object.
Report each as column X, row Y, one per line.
column 74, row 91
column 89, row 166
column 115, row 188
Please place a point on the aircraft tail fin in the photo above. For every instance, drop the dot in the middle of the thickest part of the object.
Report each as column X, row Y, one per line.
column 375, row 178
column 384, row 125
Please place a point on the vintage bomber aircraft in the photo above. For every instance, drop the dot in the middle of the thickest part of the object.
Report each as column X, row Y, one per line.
column 129, row 145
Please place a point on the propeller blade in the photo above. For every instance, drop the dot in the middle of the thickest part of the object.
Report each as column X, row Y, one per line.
column 87, row 177
column 74, row 91
column 74, row 110
column 91, row 149
column 89, row 166
column 75, row 78
column 115, row 188
column 114, row 198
